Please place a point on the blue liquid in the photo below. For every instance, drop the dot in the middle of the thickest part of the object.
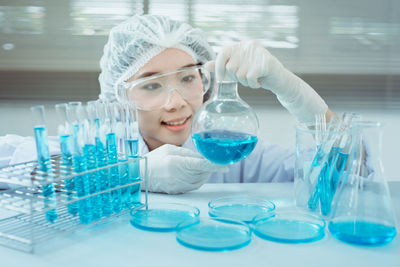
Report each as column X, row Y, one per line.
column 132, row 148
column 44, row 163
column 241, row 212
column 112, row 158
column 66, row 159
column 91, row 163
column 224, row 147
column 322, row 190
column 338, row 170
column 362, row 232
column 103, row 182
column 82, row 189
column 326, row 189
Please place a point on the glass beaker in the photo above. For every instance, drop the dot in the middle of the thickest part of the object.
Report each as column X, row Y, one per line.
column 225, row 128
column 362, row 211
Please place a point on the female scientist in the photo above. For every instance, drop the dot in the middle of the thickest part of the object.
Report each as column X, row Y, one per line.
column 146, row 53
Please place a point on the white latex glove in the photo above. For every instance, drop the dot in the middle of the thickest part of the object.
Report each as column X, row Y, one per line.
column 249, row 63
column 175, row 170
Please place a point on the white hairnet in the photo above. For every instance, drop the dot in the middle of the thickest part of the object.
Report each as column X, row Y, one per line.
column 134, row 42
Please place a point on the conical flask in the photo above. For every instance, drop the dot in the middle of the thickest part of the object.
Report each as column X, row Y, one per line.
column 225, row 128
column 362, row 210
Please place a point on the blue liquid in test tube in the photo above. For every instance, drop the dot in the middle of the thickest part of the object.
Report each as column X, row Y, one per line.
column 45, row 168
column 44, row 163
column 89, row 151
column 66, row 157
column 112, row 158
column 134, row 170
column 81, row 182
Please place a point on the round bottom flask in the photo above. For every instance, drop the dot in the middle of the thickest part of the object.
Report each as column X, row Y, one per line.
column 225, row 128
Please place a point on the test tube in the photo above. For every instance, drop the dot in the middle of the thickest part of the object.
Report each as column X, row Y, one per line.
column 112, row 154
column 79, row 162
column 101, row 153
column 91, row 160
column 132, row 149
column 64, row 130
column 44, row 163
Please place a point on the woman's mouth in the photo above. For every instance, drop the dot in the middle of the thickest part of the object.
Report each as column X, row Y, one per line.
column 176, row 125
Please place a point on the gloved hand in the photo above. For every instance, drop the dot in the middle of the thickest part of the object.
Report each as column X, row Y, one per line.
column 249, row 63
column 174, row 170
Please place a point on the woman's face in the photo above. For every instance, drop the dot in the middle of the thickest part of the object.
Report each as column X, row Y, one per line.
column 170, row 124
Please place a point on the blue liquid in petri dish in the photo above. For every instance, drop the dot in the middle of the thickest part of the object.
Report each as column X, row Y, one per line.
column 362, row 232
column 289, row 230
column 240, row 212
column 224, row 147
column 160, row 220
column 213, row 234
column 45, row 166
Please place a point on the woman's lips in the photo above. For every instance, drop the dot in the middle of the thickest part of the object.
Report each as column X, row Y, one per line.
column 177, row 125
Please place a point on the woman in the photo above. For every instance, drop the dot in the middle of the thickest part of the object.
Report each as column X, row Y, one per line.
column 144, row 48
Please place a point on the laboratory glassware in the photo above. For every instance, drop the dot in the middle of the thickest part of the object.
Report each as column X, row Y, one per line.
column 362, row 211
column 162, row 217
column 44, row 163
column 65, row 134
column 225, row 128
column 213, row 234
column 289, row 226
column 81, row 182
column 239, row 207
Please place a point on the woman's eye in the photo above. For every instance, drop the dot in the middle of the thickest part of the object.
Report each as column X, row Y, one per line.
column 188, row 79
column 151, row 86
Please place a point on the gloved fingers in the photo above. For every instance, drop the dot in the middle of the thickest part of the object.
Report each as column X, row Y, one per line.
column 221, row 61
column 202, row 165
column 169, row 149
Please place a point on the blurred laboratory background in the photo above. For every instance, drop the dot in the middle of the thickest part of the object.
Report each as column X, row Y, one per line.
column 348, row 50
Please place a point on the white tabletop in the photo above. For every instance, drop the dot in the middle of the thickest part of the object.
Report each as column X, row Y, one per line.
column 117, row 243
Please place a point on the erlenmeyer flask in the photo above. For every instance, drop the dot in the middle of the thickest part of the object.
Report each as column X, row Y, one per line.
column 362, row 211
column 225, row 128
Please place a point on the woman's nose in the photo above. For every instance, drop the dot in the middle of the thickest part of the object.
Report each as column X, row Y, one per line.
column 175, row 100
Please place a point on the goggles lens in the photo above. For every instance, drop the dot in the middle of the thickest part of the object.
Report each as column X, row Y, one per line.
column 154, row 92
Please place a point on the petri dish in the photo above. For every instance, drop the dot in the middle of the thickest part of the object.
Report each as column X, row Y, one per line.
column 291, row 226
column 162, row 217
column 213, row 234
column 242, row 208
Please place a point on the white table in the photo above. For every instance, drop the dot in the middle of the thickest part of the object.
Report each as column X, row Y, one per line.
column 119, row 244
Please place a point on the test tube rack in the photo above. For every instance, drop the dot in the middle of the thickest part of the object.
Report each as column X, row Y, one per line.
column 23, row 223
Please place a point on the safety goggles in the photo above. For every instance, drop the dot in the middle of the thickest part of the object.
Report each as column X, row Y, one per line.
column 155, row 91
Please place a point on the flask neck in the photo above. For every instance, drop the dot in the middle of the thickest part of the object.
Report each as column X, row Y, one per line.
column 227, row 90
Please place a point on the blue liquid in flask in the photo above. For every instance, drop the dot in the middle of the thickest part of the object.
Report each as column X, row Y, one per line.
column 224, row 147
column 362, row 232
column 45, row 166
